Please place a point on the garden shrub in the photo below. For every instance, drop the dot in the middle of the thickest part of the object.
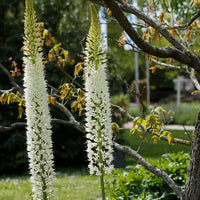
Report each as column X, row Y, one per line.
column 136, row 182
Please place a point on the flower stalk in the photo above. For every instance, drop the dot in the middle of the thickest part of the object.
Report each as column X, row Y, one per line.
column 98, row 107
column 39, row 142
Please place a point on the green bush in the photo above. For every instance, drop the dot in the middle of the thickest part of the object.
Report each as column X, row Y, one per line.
column 138, row 183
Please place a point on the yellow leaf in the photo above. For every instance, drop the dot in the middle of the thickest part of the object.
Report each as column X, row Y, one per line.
column 20, row 110
column 161, row 18
column 174, row 32
column 74, row 105
column 65, row 53
column 155, row 139
column 151, row 120
column 115, row 128
column 169, row 60
column 187, row 35
column 49, row 38
column 169, row 112
column 132, row 131
column 51, row 55
column 141, row 133
column 136, row 121
column 8, row 98
column 163, row 133
column 78, row 68
column 170, row 138
column 44, row 33
column 68, row 57
column 3, row 97
column 52, row 100
column 153, row 69
column 108, row 11
column 56, row 47
column 144, row 125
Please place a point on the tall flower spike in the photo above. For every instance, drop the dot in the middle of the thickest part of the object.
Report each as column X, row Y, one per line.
column 39, row 142
column 98, row 108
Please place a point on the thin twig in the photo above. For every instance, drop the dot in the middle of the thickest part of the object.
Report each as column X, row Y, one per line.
column 12, row 80
column 141, row 143
column 187, row 133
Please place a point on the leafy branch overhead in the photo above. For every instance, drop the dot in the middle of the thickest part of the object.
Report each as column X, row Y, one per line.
column 176, row 48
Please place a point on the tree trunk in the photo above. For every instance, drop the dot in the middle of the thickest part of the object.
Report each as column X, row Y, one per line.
column 192, row 189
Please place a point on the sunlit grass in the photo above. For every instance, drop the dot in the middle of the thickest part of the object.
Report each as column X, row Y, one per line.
column 76, row 184
column 69, row 187
column 150, row 150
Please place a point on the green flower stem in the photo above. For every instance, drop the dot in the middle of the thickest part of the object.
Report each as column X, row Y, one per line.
column 101, row 161
column 44, row 185
column 102, row 185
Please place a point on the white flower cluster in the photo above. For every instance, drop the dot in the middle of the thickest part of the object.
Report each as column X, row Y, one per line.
column 98, row 108
column 39, row 142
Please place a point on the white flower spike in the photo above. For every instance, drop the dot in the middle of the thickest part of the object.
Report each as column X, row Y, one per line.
column 39, row 142
column 98, row 108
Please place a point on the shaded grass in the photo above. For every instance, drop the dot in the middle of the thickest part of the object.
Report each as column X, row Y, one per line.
column 150, row 150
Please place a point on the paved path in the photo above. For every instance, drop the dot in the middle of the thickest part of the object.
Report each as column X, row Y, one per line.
column 170, row 127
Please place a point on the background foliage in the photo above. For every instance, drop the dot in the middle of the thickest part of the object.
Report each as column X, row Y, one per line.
column 68, row 22
column 138, row 183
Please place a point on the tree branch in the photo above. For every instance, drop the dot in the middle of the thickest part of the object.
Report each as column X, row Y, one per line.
column 166, row 52
column 168, row 65
column 192, row 19
column 121, row 110
column 12, row 80
column 162, row 30
column 194, row 79
column 150, row 167
column 73, row 124
column 179, row 53
column 12, row 126
column 141, row 15
column 72, row 120
column 177, row 140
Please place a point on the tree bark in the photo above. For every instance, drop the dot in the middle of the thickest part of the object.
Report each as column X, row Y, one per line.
column 192, row 189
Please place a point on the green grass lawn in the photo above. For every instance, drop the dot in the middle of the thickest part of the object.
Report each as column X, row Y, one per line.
column 69, row 187
column 186, row 114
column 150, row 150
column 76, row 184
